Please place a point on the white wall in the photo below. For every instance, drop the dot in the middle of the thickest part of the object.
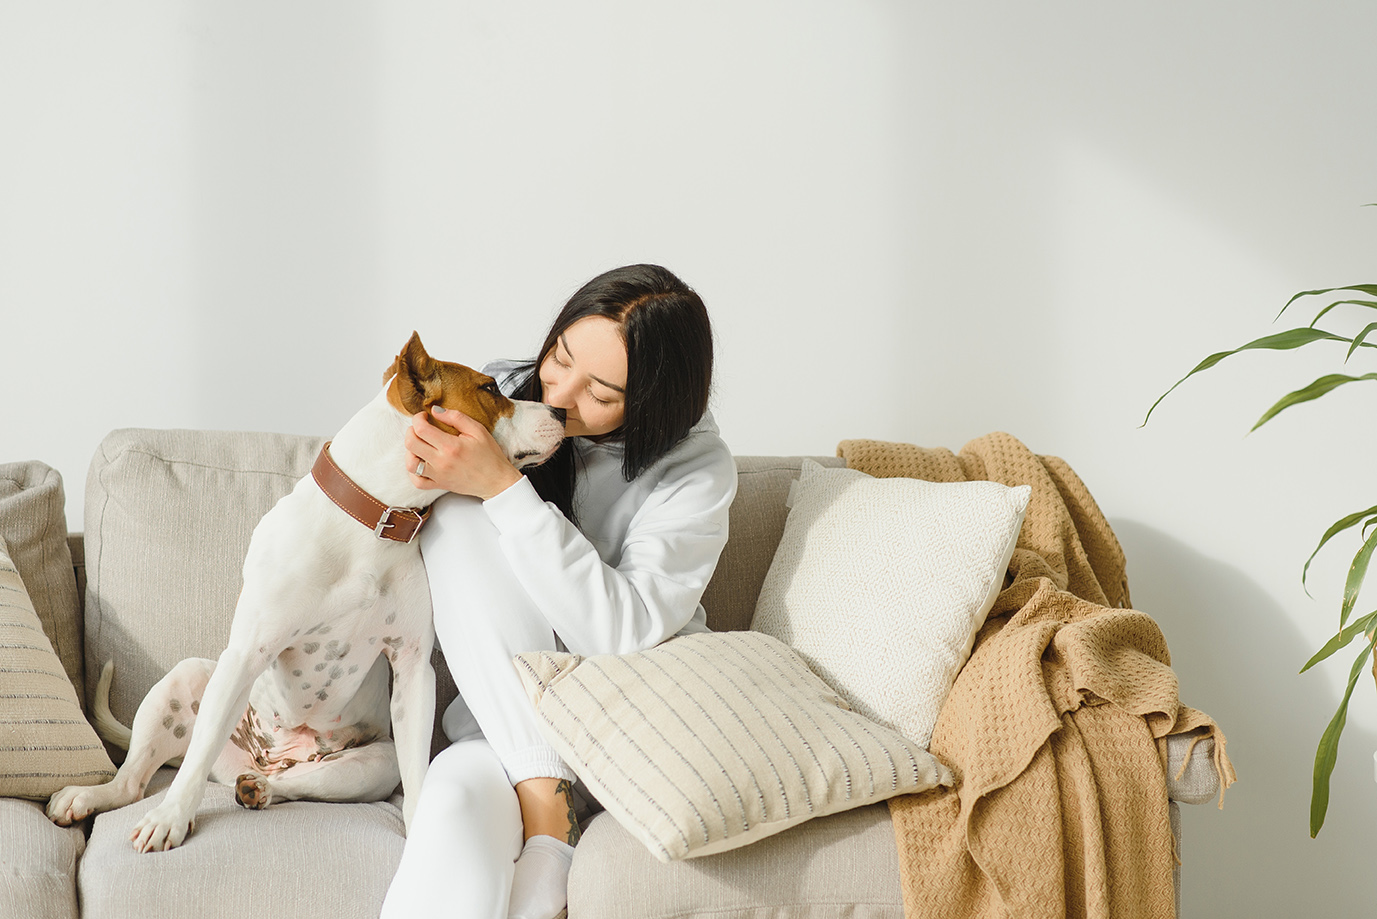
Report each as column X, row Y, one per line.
column 914, row 222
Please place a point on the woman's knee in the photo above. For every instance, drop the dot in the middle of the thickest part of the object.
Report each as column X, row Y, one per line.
column 467, row 781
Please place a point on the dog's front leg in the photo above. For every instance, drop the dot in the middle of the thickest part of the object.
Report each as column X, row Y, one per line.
column 413, row 718
column 223, row 705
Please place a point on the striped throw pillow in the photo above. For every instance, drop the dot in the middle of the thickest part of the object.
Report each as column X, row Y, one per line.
column 708, row 742
column 45, row 741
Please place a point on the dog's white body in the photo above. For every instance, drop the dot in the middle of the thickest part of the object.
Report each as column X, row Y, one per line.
column 297, row 706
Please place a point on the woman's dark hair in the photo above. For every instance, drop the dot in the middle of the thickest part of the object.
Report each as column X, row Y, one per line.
column 668, row 366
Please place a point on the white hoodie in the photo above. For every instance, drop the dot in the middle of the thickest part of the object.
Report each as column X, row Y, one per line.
column 632, row 573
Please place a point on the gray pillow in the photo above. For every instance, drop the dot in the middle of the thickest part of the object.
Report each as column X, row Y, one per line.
column 33, row 524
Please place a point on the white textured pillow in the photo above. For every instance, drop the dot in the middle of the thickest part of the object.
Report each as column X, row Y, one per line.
column 881, row 585
column 712, row 741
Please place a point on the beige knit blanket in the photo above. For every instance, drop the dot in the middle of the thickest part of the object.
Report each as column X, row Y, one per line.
column 1060, row 807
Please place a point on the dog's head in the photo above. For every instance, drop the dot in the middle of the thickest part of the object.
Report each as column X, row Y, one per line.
column 529, row 432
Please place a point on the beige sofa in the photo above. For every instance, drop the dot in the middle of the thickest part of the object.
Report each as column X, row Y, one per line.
column 153, row 579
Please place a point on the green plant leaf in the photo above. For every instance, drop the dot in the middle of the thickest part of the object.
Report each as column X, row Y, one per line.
column 1356, row 572
column 1369, row 289
column 1358, row 339
column 1320, row 387
column 1370, row 304
column 1341, row 640
column 1327, row 753
column 1339, row 526
column 1281, row 341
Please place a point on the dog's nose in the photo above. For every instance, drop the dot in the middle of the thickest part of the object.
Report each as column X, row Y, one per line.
column 559, row 413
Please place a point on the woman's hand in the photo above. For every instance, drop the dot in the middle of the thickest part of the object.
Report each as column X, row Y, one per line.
column 467, row 463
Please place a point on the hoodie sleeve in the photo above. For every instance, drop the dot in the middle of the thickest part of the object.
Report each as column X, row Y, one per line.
column 671, row 549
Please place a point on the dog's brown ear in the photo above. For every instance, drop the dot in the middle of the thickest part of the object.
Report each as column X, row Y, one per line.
column 414, row 342
column 417, row 383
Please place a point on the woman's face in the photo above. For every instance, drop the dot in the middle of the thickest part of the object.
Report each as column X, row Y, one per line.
column 585, row 374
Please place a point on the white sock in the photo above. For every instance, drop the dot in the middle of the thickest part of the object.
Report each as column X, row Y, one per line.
column 540, row 884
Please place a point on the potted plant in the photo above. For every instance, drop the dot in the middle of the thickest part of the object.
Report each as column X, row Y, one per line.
column 1363, row 296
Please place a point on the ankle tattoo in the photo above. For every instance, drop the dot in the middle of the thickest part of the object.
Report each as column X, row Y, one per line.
column 566, row 789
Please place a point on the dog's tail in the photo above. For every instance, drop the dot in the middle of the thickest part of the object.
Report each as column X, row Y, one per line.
column 110, row 728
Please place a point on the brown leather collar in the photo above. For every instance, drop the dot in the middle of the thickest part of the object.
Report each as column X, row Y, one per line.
column 400, row 524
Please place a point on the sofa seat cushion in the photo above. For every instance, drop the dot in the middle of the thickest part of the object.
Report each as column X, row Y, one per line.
column 843, row 866
column 318, row 860
column 38, row 863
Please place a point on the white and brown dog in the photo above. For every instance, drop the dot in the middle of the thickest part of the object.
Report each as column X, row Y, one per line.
column 297, row 705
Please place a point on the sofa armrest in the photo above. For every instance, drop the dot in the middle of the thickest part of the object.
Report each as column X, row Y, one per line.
column 1198, row 783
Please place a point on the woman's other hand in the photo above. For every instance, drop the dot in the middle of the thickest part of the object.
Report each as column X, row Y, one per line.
column 467, row 463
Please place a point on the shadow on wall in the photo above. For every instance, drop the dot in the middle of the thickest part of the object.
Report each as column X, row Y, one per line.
column 1237, row 654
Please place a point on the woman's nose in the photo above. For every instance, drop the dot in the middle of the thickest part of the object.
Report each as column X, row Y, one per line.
column 560, row 395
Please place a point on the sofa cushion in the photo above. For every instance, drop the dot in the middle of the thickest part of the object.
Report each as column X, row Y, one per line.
column 756, row 522
column 168, row 520
column 169, row 515
column 315, row 860
column 45, row 740
column 711, row 741
column 33, row 523
column 881, row 585
column 38, row 863
column 844, row 866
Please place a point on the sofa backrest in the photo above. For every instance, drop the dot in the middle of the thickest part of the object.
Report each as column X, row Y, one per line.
column 755, row 527
column 168, row 518
column 169, row 514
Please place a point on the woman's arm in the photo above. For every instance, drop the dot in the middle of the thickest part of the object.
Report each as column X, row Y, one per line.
column 670, row 551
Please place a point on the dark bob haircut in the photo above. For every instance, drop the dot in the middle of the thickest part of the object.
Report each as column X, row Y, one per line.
column 668, row 369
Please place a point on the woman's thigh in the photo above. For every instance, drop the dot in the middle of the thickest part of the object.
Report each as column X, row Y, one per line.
column 473, row 590
column 483, row 617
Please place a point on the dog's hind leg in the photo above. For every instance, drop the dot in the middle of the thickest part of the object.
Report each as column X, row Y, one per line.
column 365, row 773
column 223, row 704
column 161, row 732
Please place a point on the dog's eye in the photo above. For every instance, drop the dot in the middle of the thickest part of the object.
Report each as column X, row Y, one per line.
column 490, row 387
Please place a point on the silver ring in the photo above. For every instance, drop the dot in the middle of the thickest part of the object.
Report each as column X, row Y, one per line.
column 421, row 469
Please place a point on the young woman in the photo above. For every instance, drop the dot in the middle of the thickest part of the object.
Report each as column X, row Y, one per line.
column 606, row 548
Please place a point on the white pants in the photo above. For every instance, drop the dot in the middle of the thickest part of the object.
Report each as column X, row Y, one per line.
column 463, row 841
column 467, row 831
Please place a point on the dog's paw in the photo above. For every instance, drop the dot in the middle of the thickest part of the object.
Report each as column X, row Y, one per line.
column 251, row 790
column 161, row 829
column 69, row 805
column 77, row 802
